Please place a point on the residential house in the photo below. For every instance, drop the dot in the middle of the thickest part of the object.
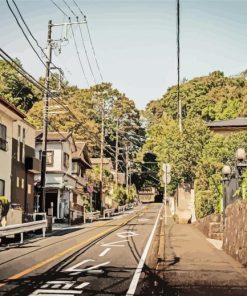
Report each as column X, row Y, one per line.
column 227, row 127
column 65, row 167
column 17, row 151
column 80, row 163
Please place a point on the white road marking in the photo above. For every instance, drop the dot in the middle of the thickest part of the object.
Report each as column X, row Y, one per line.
column 216, row 243
column 126, row 234
column 135, row 279
column 75, row 270
column 83, row 285
column 59, row 284
column 104, row 252
column 113, row 244
column 46, row 292
column 143, row 220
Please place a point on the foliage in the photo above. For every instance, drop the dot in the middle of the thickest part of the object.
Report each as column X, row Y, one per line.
column 120, row 195
column 219, row 151
column 16, row 89
column 196, row 155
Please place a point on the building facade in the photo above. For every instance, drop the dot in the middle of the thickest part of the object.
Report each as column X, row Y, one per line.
column 65, row 168
column 17, row 151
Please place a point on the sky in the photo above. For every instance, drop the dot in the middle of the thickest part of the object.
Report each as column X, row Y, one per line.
column 135, row 41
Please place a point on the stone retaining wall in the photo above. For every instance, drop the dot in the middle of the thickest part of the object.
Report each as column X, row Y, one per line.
column 211, row 226
column 235, row 231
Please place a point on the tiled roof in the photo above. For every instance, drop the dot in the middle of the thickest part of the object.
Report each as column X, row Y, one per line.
column 12, row 107
column 54, row 136
column 237, row 122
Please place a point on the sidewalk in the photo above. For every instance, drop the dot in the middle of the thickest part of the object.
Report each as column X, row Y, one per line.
column 194, row 266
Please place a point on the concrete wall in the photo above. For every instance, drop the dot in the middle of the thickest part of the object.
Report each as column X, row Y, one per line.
column 235, row 232
column 184, row 204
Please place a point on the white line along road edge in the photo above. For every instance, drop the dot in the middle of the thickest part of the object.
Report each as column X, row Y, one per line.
column 135, row 279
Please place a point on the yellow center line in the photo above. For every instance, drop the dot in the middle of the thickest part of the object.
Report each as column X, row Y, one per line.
column 42, row 263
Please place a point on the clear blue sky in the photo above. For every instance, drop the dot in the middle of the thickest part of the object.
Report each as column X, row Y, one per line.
column 135, row 41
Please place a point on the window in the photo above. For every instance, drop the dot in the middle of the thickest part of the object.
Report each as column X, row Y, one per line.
column 17, row 182
column 2, row 187
column 3, row 137
column 29, row 188
column 19, row 144
column 66, row 160
column 49, row 157
column 22, row 183
column 23, row 144
column 75, row 168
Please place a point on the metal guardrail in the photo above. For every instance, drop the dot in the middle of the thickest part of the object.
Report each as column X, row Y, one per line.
column 121, row 208
column 91, row 216
column 24, row 227
column 108, row 212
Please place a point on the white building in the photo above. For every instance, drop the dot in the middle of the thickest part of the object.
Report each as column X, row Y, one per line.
column 64, row 174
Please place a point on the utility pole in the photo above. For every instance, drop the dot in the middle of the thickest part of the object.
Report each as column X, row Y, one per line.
column 102, row 152
column 46, row 103
column 45, row 118
column 117, row 151
column 178, row 68
column 127, row 169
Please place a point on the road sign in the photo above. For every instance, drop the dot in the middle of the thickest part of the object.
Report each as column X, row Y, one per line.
column 166, row 178
column 166, row 167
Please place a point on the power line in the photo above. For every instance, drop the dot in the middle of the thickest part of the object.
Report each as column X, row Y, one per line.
column 79, row 58
column 91, row 41
column 83, row 42
column 59, row 8
column 26, row 37
column 84, row 46
column 69, row 8
column 79, row 8
column 31, row 34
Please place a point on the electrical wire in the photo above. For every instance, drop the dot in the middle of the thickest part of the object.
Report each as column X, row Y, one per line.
column 79, row 58
column 91, row 41
column 69, row 8
column 59, row 8
column 31, row 34
column 86, row 53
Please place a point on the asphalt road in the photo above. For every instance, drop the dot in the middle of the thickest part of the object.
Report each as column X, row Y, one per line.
column 103, row 258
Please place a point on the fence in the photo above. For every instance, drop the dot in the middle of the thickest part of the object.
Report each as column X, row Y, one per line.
column 24, row 227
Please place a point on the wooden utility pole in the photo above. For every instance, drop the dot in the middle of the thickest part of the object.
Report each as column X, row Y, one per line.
column 178, row 68
column 45, row 117
column 127, row 168
column 102, row 152
column 116, row 156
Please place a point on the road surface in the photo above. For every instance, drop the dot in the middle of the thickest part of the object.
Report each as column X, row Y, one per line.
column 101, row 258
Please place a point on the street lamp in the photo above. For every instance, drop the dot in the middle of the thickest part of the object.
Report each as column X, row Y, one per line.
column 232, row 177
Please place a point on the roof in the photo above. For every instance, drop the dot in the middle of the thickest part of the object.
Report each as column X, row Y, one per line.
column 12, row 107
column 53, row 136
column 81, row 154
column 237, row 122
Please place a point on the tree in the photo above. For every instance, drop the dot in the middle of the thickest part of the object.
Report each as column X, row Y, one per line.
column 15, row 88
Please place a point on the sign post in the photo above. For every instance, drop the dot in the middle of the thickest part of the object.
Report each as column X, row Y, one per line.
column 166, row 167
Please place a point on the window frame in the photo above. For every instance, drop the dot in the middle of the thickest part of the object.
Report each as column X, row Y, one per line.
column 3, row 137
column 3, row 182
column 66, row 160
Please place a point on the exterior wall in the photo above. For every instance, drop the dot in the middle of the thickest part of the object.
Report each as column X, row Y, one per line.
column 22, row 181
column 227, row 131
column 235, row 231
column 211, row 226
column 5, row 156
column 57, row 160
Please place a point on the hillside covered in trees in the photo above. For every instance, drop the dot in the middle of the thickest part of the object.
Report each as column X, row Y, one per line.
column 197, row 155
